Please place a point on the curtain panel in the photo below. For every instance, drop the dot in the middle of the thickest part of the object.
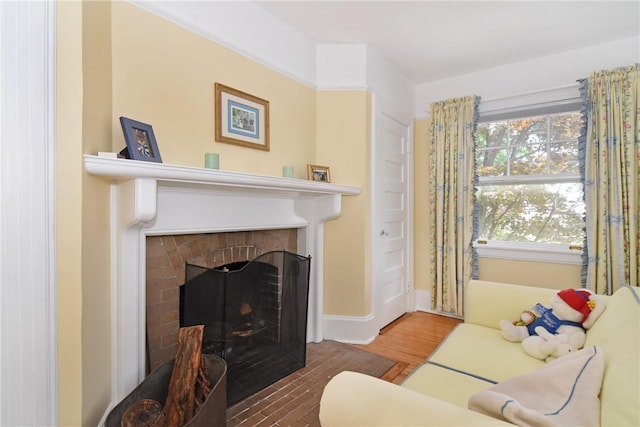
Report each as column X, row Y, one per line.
column 451, row 193
column 610, row 159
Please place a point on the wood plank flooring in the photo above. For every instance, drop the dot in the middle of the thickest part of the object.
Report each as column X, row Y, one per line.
column 409, row 340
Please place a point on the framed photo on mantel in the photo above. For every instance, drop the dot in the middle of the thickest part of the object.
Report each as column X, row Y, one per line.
column 240, row 118
column 318, row 173
column 141, row 141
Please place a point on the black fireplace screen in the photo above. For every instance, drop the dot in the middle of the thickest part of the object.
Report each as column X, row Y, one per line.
column 255, row 317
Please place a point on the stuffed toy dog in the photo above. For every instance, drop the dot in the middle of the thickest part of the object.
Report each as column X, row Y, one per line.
column 550, row 332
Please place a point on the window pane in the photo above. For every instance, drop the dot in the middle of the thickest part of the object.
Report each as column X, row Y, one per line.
column 492, row 162
column 543, row 213
column 564, row 157
column 529, row 160
column 532, row 130
column 492, row 134
column 565, row 127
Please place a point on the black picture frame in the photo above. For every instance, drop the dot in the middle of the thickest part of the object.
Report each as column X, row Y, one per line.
column 141, row 141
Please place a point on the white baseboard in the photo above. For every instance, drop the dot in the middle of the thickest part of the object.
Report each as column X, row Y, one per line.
column 423, row 301
column 350, row 329
column 362, row 329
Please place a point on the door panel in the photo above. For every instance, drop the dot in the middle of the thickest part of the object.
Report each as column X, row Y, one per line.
column 391, row 195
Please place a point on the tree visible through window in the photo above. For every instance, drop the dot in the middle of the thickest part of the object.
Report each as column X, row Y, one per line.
column 529, row 186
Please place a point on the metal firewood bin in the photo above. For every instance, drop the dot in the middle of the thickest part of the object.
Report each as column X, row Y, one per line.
column 155, row 386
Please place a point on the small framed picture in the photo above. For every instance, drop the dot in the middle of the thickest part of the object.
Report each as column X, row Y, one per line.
column 318, row 173
column 141, row 142
column 241, row 119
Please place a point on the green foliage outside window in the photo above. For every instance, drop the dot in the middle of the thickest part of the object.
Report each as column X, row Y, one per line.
column 529, row 188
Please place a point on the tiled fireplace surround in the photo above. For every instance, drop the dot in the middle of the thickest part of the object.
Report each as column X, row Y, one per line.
column 150, row 199
column 165, row 268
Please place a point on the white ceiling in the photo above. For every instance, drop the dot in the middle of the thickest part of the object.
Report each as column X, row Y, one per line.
column 431, row 40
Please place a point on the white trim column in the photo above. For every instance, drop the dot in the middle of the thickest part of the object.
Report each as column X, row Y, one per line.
column 28, row 362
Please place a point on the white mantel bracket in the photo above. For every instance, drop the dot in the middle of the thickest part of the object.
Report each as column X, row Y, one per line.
column 158, row 199
column 143, row 191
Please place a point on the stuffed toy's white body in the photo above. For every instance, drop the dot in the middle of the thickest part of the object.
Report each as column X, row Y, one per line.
column 547, row 333
column 547, row 346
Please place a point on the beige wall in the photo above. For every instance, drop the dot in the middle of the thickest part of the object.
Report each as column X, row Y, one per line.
column 96, row 267
column 540, row 274
column 344, row 144
column 164, row 75
column 421, row 216
column 82, row 210
column 547, row 275
column 69, row 209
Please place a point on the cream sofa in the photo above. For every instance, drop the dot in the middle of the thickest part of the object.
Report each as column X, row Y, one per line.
column 474, row 356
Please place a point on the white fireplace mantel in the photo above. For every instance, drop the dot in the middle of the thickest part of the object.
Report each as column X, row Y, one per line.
column 158, row 199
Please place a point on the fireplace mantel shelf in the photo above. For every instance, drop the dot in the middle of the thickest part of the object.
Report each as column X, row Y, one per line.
column 185, row 176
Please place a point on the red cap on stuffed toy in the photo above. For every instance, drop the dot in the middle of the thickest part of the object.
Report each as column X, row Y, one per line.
column 578, row 300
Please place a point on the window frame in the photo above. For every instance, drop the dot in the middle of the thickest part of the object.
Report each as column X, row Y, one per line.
column 526, row 251
column 529, row 251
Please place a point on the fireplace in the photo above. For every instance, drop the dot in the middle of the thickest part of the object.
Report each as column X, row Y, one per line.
column 166, row 258
column 151, row 199
column 202, row 279
column 255, row 317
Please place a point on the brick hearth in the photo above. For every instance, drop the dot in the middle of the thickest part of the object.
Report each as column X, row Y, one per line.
column 165, row 269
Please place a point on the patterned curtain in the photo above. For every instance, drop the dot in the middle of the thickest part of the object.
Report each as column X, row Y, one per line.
column 452, row 191
column 610, row 152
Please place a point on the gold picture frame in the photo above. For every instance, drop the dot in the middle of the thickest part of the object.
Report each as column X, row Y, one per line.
column 318, row 173
column 240, row 118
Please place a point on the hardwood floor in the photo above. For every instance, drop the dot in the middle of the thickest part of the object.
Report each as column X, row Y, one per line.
column 409, row 340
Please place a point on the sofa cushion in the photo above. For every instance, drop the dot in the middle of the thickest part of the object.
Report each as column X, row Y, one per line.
column 486, row 303
column 353, row 399
column 472, row 350
column 617, row 332
column 613, row 316
column 561, row 393
column 444, row 384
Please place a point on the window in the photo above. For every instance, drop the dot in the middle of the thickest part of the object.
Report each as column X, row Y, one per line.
column 529, row 188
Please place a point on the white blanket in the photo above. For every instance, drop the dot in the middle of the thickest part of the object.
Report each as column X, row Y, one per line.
column 561, row 393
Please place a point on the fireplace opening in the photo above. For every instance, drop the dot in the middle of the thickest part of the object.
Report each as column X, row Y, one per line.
column 255, row 317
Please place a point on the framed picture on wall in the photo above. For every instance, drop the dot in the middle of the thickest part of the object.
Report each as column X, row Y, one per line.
column 240, row 118
column 141, row 141
column 318, row 173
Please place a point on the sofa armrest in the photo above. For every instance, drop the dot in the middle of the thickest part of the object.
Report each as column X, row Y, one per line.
column 354, row 399
column 486, row 303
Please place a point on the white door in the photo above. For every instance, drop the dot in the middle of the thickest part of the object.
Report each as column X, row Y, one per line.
column 390, row 230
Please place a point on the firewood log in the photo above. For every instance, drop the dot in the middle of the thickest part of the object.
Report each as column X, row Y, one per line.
column 144, row 413
column 180, row 404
